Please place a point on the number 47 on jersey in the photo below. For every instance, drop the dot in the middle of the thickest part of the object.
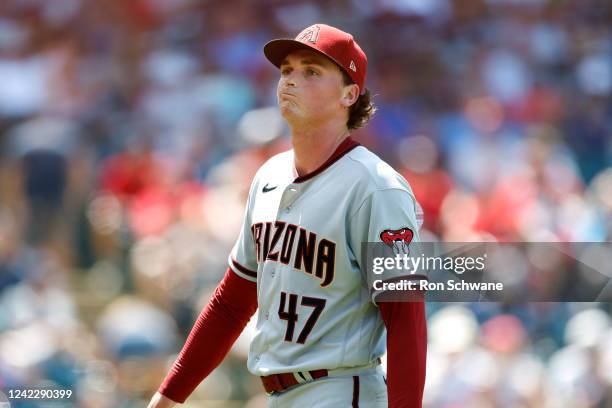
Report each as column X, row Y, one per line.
column 291, row 315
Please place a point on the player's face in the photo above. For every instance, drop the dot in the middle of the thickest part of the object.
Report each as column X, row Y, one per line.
column 311, row 87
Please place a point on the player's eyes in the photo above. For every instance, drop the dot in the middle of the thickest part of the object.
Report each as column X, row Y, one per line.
column 307, row 72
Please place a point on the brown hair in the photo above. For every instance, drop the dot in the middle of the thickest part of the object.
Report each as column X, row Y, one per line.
column 362, row 110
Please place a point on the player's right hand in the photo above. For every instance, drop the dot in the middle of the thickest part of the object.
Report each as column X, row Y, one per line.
column 160, row 401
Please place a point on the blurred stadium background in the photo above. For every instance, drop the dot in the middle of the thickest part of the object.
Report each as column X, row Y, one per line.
column 130, row 130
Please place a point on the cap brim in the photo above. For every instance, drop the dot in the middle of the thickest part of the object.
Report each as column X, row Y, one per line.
column 276, row 50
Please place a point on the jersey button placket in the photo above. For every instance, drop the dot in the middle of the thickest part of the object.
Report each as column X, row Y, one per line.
column 289, row 197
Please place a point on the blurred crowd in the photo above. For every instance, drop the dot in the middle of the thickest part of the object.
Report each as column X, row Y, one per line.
column 130, row 131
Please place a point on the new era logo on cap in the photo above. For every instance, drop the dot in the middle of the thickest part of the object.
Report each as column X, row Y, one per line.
column 335, row 44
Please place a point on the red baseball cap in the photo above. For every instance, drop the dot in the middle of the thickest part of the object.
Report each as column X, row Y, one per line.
column 329, row 41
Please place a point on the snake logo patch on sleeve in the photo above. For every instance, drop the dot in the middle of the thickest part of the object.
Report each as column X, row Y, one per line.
column 398, row 239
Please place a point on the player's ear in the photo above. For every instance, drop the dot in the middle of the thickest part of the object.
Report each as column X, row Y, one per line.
column 350, row 94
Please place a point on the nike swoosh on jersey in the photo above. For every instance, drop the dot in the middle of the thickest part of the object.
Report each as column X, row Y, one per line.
column 267, row 189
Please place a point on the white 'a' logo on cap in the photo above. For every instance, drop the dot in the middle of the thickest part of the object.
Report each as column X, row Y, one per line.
column 352, row 66
column 309, row 34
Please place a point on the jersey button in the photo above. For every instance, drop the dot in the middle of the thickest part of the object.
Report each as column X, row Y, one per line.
column 267, row 316
column 288, row 209
column 272, row 273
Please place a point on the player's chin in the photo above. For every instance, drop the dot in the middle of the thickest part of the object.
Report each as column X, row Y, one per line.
column 287, row 109
column 286, row 101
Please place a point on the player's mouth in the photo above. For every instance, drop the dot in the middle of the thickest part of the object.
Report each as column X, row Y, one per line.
column 284, row 93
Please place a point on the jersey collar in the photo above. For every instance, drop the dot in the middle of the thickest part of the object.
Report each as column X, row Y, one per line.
column 346, row 146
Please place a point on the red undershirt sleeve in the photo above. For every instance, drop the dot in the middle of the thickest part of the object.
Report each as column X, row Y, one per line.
column 406, row 352
column 213, row 334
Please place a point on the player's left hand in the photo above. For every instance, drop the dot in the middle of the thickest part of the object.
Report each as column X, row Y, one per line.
column 160, row 401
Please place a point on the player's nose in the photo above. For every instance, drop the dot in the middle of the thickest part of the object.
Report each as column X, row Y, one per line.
column 288, row 80
column 287, row 83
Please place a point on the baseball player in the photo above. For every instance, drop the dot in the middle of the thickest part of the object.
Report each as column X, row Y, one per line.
column 320, row 331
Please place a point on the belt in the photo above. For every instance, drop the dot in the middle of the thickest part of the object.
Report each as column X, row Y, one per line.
column 280, row 382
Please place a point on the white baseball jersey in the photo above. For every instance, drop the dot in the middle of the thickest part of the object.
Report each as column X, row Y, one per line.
column 301, row 242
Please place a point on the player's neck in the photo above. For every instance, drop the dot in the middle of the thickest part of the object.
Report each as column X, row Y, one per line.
column 312, row 147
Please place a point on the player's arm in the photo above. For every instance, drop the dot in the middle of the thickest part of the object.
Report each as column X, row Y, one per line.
column 394, row 211
column 219, row 324
column 213, row 334
column 404, row 316
column 406, row 352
